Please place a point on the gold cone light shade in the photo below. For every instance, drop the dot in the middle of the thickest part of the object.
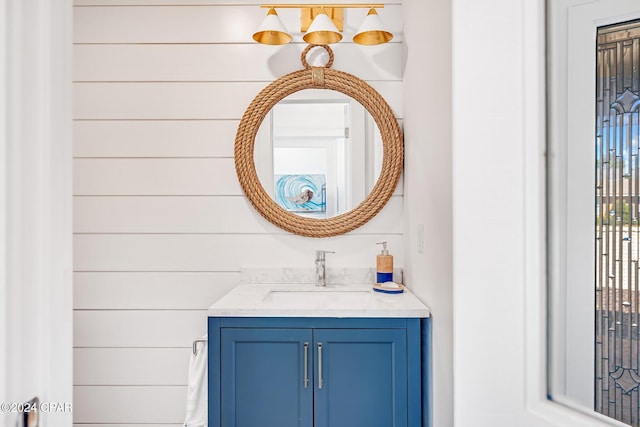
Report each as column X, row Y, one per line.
column 272, row 31
column 322, row 31
column 372, row 32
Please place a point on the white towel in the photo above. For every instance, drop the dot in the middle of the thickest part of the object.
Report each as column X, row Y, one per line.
column 197, row 388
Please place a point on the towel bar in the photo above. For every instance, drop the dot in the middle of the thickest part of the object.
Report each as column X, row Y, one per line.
column 195, row 344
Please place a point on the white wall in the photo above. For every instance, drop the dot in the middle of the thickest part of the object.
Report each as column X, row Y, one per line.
column 161, row 226
column 498, row 228
column 496, row 97
column 428, row 182
column 499, row 218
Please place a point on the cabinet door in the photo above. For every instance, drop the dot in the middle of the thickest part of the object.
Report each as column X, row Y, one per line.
column 360, row 378
column 263, row 378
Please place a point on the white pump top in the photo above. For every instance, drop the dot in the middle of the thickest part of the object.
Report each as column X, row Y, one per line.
column 384, row 247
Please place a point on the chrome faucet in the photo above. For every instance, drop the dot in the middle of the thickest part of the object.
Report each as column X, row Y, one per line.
column 321, row 279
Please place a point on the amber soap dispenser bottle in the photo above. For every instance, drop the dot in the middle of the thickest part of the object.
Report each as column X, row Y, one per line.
column 384, row 265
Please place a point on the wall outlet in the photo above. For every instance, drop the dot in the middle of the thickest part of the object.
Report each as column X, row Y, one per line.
column 420, row 232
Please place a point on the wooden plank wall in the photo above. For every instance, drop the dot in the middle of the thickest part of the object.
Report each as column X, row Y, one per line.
column 161, row 225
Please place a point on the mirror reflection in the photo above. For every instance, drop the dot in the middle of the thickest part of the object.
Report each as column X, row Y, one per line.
column 318, row 153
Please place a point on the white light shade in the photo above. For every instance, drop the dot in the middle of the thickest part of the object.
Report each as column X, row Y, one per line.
column 272, row 31
column 372, row 31
column 322, row 31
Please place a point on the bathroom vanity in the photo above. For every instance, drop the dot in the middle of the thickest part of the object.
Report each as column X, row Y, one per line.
column 283, row 354
column 335, row 356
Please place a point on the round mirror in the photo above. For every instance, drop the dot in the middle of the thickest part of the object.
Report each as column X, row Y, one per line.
column 318, row 153
column 302, row 184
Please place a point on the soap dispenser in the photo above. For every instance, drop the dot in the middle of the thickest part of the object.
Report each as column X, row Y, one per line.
column 384, row 265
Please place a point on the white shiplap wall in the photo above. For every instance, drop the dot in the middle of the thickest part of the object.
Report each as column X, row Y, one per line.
column 161, row 225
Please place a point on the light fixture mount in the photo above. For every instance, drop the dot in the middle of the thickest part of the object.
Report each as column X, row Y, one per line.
column 308, row 14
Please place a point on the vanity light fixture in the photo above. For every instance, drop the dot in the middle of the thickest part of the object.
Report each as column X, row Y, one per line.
column 322, row 30
column 372, row 32
column 272, row 31
column 322, row 24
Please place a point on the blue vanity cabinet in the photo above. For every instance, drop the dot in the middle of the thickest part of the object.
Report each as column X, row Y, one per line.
column 265, row 375
column 361, row 377
column 315, row 372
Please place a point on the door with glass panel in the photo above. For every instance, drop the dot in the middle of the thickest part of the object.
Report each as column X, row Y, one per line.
column 594, row 206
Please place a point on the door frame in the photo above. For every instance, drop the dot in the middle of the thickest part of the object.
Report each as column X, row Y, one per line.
column 36, row 205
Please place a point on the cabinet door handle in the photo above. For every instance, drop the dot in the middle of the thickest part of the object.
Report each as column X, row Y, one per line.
column 306, row 365
column 319, row 366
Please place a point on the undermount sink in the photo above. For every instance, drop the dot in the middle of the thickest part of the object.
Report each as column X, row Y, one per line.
column 317, row 296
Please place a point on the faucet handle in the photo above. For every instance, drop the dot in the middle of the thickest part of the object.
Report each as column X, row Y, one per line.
column 321, row 253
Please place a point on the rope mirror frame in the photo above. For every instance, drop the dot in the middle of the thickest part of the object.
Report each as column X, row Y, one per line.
column 319, row 78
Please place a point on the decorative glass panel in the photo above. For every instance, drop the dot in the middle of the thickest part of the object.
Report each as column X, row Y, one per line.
column 617, row 346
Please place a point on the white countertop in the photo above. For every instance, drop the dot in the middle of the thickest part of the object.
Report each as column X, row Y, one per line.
column 308, row 300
